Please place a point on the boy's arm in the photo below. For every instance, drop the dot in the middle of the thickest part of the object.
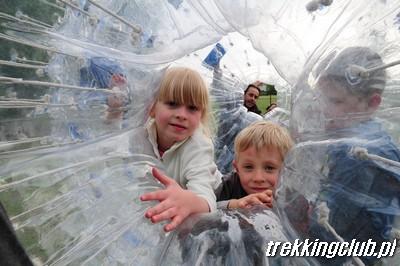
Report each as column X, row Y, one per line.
column 229, row 188
column 262, row 198
column 230, row 194
column 176, row 203
column 223, row 204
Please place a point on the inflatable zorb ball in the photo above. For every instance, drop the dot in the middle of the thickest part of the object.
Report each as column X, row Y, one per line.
column 237, row 237
column 341, row 184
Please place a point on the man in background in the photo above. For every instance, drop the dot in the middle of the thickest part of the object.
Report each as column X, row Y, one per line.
column 251, row 95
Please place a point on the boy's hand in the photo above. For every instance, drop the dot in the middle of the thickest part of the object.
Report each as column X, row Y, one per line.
column 176, row 203
column 262, row 198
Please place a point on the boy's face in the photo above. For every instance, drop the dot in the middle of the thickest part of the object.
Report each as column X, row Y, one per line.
column 341, row 108
column 258, row 171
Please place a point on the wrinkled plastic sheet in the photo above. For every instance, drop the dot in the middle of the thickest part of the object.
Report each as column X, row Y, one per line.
column 71, row 184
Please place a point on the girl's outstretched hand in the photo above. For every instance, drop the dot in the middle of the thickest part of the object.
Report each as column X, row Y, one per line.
column 175, row 204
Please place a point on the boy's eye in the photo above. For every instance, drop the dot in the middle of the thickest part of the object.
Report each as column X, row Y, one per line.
column 269, row 168
column 248, row 167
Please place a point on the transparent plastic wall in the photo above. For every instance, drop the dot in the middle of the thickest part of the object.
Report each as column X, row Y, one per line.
column 71, row 172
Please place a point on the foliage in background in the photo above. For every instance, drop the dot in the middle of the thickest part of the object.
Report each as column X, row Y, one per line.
column 39, row 11
column 264, row 101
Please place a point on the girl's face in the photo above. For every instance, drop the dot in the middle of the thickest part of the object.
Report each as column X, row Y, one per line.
column 174, row 122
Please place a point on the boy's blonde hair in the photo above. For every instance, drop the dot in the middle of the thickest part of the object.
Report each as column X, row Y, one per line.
column 185, row 87
column 263, row 134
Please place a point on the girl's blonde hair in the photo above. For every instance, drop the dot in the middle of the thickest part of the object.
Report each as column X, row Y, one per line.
column 263, row 134
column 186, row 87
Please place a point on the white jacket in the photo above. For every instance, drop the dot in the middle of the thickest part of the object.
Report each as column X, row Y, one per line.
column 190, row 162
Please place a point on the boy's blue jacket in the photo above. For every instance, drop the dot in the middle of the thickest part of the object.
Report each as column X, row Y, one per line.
column 362, row 195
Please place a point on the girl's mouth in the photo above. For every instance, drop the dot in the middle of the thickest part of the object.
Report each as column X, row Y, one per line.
column 178, row 127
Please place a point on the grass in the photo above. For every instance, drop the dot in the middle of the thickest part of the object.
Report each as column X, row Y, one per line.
column 264, row 101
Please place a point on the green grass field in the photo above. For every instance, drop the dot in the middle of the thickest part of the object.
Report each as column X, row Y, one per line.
column 264, row 101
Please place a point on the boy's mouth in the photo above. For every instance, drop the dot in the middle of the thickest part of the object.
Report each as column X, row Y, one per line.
column 261, row 189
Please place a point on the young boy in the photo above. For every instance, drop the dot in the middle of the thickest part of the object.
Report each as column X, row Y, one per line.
column 361, row 196
column 259, row 153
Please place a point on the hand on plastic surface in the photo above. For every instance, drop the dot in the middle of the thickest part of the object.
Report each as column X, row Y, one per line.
column 115, row 103
column 175, row 204
column 262, row 198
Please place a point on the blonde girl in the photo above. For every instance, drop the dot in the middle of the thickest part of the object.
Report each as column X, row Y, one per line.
column 179, row 135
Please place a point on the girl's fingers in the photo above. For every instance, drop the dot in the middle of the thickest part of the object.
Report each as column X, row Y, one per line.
column 159, row 208
column 155, row 195
column 164, row 215
column 176, row 221
column 165, row 180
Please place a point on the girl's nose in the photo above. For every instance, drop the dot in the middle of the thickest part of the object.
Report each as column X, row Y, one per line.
column 181, row 112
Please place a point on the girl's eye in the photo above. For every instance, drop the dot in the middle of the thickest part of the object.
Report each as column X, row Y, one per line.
column 172, row 104
column 193, row 108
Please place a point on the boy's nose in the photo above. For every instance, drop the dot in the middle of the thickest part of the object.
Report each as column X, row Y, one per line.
column 259, row 176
